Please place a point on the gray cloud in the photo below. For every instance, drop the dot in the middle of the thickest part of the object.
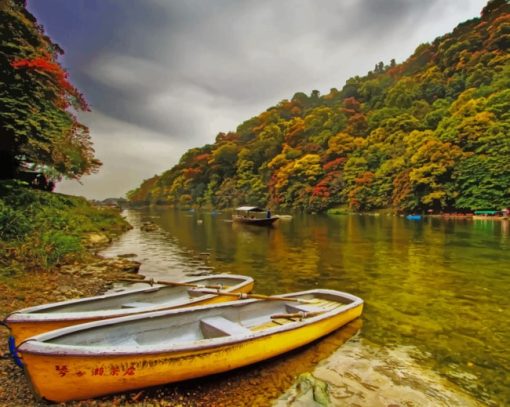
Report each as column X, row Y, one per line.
column 172, row 74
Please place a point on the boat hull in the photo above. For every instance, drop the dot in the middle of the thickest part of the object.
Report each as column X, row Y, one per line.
column 255, row 221
column 62, row 378
column 23, row 326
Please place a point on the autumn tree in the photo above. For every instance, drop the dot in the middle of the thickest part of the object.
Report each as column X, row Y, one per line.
column 39, row 127
column 429, row 133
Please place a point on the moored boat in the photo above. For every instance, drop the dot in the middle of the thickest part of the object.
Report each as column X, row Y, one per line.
column 43, row 318
column 139, row 351
column 413, row 217
column 252, row 215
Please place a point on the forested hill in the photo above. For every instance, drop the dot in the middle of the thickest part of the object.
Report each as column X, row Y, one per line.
column 430, row 133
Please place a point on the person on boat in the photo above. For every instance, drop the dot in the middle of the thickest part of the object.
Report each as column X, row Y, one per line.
column 268, row 214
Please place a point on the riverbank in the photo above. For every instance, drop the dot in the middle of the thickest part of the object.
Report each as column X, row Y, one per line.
column 48, row 246
column 28, row 279
column 43, row 230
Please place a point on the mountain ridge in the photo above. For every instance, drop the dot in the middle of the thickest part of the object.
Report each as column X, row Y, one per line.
column 430, row 133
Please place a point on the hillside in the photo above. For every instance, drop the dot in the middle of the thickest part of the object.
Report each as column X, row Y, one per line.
column 430, row 133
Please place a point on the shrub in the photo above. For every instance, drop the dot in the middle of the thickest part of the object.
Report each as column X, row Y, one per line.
column 13, row 223
column 41, row 229
column 57, row 245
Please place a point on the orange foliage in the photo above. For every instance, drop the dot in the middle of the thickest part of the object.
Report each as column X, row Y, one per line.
column 191, row 172
column 203, row 157
column 365, row 179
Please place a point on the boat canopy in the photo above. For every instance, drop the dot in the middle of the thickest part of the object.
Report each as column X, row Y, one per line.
column 250, row 209
column 486, row 212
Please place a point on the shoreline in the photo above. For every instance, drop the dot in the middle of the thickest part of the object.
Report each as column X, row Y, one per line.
column 91, row 276
column 227, row 389
column 278, row 381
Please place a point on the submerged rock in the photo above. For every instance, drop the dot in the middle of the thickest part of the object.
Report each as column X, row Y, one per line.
column 126, row 265
column 148, row 227
column 365, row 374
column 317, row 389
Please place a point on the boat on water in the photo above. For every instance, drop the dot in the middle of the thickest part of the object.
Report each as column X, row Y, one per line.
column 253, row 215
column 413, row 217
column 134, row 352
column 43, row 318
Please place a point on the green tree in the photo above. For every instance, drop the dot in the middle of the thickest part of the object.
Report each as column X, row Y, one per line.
column 483, row 182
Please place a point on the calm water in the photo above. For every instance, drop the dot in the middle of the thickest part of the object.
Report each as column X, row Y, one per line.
column 438, row 287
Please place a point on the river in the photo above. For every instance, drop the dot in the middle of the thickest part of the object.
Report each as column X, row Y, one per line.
column 435, row 328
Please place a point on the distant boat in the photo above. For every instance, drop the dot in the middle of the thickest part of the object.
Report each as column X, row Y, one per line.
column 284, row 217
column 253, row 215
column 105, row 357
column 413, row 217
column 43, row 318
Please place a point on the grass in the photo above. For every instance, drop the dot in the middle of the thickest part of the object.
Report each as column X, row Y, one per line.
column 340, row 210
column 40, row 230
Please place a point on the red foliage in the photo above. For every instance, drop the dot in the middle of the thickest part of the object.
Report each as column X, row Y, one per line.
column 323, row 187
column 334, row 164
column 38, row 63
column 44, row 64
column 357, row 124
column 203, row 157
column 499, row 20
column 321, row 190
column 352, row 104
column 395, row 71
column 353, row 202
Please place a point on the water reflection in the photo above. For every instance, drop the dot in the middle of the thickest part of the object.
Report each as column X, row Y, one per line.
column 438, row 285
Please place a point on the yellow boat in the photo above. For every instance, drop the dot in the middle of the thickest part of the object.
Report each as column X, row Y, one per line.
column 105, row 357
column 32, row 321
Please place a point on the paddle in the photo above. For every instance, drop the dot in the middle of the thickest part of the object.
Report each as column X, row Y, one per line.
column 300, row 315
column 258, row 296
column 173, row 283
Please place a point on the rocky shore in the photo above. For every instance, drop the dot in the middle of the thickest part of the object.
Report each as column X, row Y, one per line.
column 67, row 282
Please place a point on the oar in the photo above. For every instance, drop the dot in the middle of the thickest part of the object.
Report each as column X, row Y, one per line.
column 258, row 296
column 300, row 315
column 173, row 283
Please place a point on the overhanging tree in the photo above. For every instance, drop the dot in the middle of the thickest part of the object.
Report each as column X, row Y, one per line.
column 39, row 128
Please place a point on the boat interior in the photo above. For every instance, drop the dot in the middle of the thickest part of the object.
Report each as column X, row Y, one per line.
column 224, row 320
column 149, row 297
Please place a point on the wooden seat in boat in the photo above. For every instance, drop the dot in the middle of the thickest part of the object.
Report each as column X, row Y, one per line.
column 214, row 327
column 301, row 308
column 137, row 304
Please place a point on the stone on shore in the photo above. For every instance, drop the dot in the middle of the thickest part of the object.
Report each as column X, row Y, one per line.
column 95, row 239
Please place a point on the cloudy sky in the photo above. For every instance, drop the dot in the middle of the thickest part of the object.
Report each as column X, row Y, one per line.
column 163, row 76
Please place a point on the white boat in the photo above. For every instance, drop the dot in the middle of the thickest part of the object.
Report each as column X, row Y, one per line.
column 42, row 318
